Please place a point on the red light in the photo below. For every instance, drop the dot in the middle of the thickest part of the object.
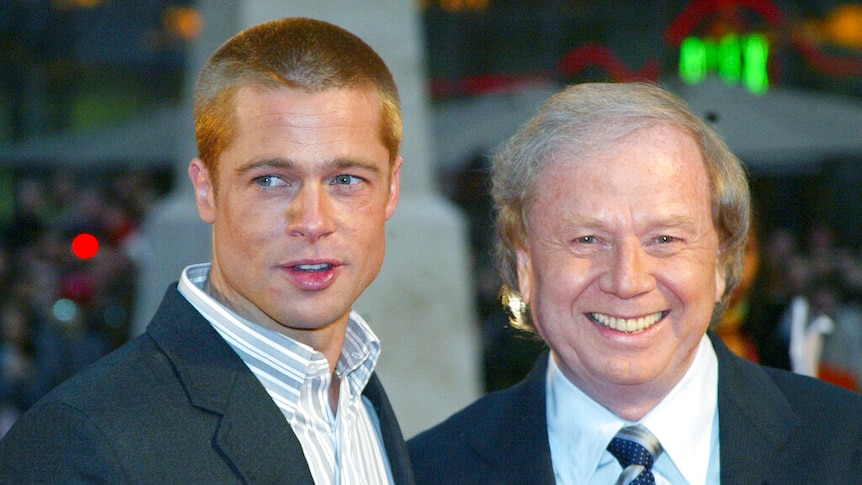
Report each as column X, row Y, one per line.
column 85, row 246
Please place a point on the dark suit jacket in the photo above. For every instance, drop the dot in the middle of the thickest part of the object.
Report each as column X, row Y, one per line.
column 174, row 405
column 775, row 427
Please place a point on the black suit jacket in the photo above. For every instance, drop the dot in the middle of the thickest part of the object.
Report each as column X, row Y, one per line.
column 774, row 427
column 174, row 405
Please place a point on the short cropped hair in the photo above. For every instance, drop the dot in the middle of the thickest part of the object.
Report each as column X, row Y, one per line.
column 295, row 53
column 580, row 122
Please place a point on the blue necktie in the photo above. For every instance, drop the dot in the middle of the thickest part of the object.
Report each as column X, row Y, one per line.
column 636, row 449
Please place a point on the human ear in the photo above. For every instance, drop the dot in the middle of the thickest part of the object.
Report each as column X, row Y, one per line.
column 720, row 278
column 394, row 188
column 204, row 196
column 525, row 274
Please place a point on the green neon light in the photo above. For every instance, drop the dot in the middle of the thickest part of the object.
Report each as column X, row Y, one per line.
column 755, row 74
column 736, row 59
column 693, row 64
column 729, row 60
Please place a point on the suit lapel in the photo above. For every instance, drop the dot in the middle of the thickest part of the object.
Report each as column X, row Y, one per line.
column 254, row 436
column 755, row 420
column 393, row 440
column 250, row 433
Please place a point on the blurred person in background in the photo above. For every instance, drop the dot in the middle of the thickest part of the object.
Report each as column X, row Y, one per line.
column 73, row 310
column 623, row 220
column 255, row 369
column 806, row 311
column 821, row 331
column 17, row 366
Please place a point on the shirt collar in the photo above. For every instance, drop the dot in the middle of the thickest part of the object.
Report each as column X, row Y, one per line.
column 583, row 435
column 285, row 362
column 694, row 402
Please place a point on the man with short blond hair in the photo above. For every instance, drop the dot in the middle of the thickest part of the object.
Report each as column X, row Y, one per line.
column 255, row 369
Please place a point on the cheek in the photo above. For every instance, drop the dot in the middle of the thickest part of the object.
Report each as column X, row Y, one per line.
column 697, row 284
column 558, row 290
column 248, row 226
column 701, row 278
column 373, row 237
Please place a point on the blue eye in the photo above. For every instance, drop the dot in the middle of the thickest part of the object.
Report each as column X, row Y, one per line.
column 345, row 180
column 665, row 239
column 269, row 181
column 586, row 239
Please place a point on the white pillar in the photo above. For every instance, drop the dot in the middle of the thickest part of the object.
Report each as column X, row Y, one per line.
column 421, row 305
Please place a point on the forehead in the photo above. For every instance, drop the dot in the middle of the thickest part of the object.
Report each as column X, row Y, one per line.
column 303, row 121
column 654, row 166
column 253, row 101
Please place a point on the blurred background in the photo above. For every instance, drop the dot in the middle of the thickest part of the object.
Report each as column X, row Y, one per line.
column 95, row 132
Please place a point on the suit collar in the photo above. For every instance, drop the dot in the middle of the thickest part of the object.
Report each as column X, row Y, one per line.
column 755, row 419
column 393, row 440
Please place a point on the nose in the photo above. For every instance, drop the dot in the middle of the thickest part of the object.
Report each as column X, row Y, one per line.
column 627, row 274
column 310, row 214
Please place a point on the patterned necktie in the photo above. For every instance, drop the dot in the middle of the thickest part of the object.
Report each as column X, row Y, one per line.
column 636, row 449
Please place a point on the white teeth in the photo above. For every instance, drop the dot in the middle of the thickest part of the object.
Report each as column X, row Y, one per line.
column 312, row 267
column 626, row 324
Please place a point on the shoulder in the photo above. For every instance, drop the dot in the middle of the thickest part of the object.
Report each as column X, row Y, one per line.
column 115, row 388
column 66, row 434
column 489, row 441
column 811, row 397
column 139, row 370
column 770, row 418
column 807, row 396
column 110, row 408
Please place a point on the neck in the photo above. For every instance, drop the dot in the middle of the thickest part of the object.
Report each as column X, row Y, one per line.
column 327, row 340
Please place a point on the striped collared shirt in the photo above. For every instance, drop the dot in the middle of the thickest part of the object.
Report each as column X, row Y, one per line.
column 342, row 448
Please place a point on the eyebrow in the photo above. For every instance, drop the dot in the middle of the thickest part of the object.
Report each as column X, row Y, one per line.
column 288, row 164
column 672, row 221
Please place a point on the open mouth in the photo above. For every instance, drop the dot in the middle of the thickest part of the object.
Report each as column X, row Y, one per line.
column 627, row 325
column 312, row 268
column 313, row 276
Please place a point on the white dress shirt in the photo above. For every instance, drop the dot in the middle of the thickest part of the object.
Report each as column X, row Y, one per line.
column 685, row 423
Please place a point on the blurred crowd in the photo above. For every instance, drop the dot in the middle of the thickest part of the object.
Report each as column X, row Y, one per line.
column 800, row 305
column 58, row 311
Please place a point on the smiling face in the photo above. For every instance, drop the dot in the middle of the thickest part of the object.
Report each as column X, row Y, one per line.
column 621, row 271
column 298, row 218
